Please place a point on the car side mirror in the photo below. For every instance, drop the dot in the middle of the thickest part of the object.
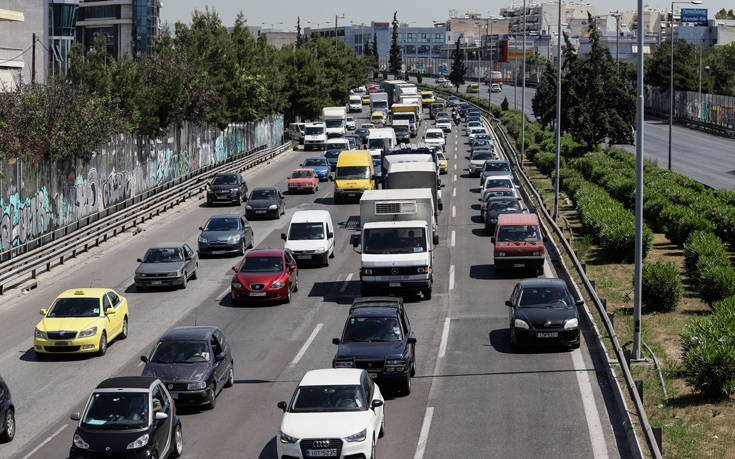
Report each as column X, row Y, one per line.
column 331, row 178
column 579, row 302
column 508, row 303
column 75, row 416
column 330, row 235
column 161, row 416
column 234, row 268
column 335, row 341
column 492, row 238
column 110, row 311
column 291, row 269
column 411, row 340
column 219, row 357
column 283, row 236
column 43, row 312
column 376, row 404
column 144, row 359
column 201, row 228
column 140, row 260
column 355, row 240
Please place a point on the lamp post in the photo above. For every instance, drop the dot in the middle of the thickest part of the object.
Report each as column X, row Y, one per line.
column 335, row 29
column 617, row 14
column 558, row 112
column 671, row 73
column 523, row 90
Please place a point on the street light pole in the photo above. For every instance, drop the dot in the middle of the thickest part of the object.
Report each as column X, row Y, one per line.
column 523, row 90
column 617, row 14
column 558, row 112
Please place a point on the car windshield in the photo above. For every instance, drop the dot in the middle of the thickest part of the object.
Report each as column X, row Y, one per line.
column 164, row 255
column 332, row 154
column 505, row 205
column 353, row 173
column 75, row 307
column 263, row 195
column 263, row 264
column 394, row 240
column 494, row 193
column 551, row 296
column 496, row 167
column 314, row 399
column 477, row 130
column 472, row 124
column 405, row 116
column 306, row 232
column 223, row 223
column 315, row 162
column 401, row 129
column 380, row 104
column 374, row 144
column 116, row 410
column 434, row 135
column 441, row 156
column 367, row 125
column 516, row 233
column 225, row 180
column 349, row 119
column 481, row 155
column 175, row 351
column 362, row 131
column 498, row 183
column 483, row 137
column 302, row 174
column 442, row 115
column 372, row 329
column 314, row 130
column 334, row 123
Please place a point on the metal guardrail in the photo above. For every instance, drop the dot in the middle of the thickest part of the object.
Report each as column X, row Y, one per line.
column 55, row 247
column 619, row 353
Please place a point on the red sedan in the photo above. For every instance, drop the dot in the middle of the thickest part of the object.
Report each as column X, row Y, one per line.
column 303, row 180
column 265, row 275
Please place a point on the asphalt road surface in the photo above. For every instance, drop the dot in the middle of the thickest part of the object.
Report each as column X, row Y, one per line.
column 472, row 394
column 707, row 158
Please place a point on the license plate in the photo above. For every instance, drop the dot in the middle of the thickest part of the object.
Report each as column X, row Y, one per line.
column 547, row 335
column 156, row 282
column 331, row 452
column 62, row 343
column 259, row 211
column 352, row 195
column 256, row 293
column 218, row 252
column 394, row 284
column 303, row 257
column 518, row 265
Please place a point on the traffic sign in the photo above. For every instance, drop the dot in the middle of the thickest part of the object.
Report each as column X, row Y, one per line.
column 694, row 15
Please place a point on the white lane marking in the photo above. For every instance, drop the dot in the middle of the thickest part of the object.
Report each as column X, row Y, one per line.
column 345, row 283
column 597, row 438
column 451, row 277
column 454, row 234
column 306, row 345
column 424, row 435
column 43, row 443
column 455, row 166
column 140, row 364
column 454, row 178
column 455, row 156
column 454, row 192
column 223, row 294
column 454, row 211
column 445, row 338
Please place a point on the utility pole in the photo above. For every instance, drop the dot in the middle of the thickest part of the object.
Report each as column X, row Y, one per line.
column 523, row 91
column 617, row 14
column 33, row 61
column 558, row 112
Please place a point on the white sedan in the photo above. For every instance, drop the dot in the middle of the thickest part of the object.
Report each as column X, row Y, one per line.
column 333, row 413
column 434, row 137
column 445, row 124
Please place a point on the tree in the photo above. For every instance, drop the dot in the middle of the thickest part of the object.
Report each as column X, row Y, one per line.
column 456, row 76
column 419, row 78
column 299, row 37
column 395, row 63
column 686, row 66
column 544, row 101
column 375, row 45
column 722, row 14
column 91, row 69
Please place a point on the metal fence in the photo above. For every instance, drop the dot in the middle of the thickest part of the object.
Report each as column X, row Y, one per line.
column 709, row 110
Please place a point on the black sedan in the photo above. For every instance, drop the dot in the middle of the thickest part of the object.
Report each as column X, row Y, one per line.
column 227, row 187
column 169, row 264
column 266, row 202
column 363, row 133
column 543, row 312
column 195, row 363
column 497, row 205
column 7, row 414
column 225, row 234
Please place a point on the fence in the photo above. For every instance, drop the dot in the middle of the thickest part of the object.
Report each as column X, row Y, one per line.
column 710, row 110
column 36, row 198
column 431, row 66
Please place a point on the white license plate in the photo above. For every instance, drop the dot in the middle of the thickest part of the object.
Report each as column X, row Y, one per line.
column 321, row 452
column 156, row 282
column 303, row 257
column 259, row 211
column 352, row 195
column 394, row 284
column 518, row 265
column 62, row 343
column 547, row 335
column 256, row 293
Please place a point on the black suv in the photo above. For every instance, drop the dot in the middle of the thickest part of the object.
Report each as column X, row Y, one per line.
column 7, row 414
column 227, row 187
column 377, row 337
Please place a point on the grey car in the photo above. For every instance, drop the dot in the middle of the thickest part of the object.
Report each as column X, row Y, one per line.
column 266, row 202
column 228, row 187
column 494, row 167
column 225, row 234
column 170, row 264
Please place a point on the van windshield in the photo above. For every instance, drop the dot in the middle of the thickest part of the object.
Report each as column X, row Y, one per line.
column 394, row 240
column 375, row 144
column 515, row 233
column 306, row 232
column 314, row 130
column 353, row 173
column 335, row 123
column 411, row 117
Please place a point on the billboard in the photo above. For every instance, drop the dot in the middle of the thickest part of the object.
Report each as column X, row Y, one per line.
column 694, row 15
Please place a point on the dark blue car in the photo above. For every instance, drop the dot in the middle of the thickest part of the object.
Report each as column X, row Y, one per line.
column 7, row 414
column 320, row 166
column 377, row 337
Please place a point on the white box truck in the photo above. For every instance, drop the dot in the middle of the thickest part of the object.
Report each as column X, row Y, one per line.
column 397, row 252
column 335, row 118
column 410, row 175
column 379, row 102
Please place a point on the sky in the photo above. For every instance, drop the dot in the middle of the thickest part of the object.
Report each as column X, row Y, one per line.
column 282, row 14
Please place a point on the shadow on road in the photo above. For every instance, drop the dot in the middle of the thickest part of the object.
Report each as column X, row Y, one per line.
column 269, row 450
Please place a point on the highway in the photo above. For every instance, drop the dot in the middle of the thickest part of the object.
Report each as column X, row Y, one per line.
column 472, row 395
column 707, row 158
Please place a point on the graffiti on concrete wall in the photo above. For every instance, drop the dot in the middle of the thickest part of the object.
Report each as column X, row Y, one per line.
column 37, row 198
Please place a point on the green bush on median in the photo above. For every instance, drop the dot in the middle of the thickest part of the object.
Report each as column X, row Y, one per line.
column 661, row 287
column 703, row 244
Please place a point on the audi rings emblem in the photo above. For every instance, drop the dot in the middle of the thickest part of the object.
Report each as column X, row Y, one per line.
column 321, row 443
column 394, row 271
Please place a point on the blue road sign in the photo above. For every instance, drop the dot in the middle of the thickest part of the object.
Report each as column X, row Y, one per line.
column 694, row 15
column 443, row 68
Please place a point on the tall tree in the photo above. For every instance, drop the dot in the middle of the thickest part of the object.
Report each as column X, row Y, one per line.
column 375, row 44
column 299, row 37
column 456, row 76
column 366, row 49
column 395, row 62
column 544, row 101
column 686, row 66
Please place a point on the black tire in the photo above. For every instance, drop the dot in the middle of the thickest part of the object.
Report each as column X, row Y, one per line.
column 8, row 426
column 576, row 345
column 209, row 203
column 413, row 365
column 436, row 239
column 212, row 397
column 194, row 274
column 40, row 356
column 427, row 293
column 241, row 252
column 296, row 287
column 325, row 262
column 184, row 280
column 288, row 294
column 124, row 333
column 513, row 338
column 231, row 376
column 331, row 254
column 381, row 434
column 154, row 455
column 178, row 442
column 372, row 450
column 103, row 345
column 406, row 385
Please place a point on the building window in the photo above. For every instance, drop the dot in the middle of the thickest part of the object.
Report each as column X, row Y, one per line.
column 99, row 12
column 411, row 50
column 409, row 36
column 437, row 49
column 424, row 50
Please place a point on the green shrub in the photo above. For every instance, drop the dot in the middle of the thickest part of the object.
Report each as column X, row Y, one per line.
column 661, row 287
column 708, row 353
column 653, row 204
column 715, row 282
column 727, row 303
column 532, row 151
column 570, row 180
column 678, row 222
column 546, row 162
column 703, row 244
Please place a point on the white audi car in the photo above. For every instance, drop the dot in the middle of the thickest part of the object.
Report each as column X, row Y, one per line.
column 336, row 412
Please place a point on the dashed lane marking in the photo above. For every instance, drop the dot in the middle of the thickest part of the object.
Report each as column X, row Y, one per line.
column 48, row 439
column 451, row 277
column 306, row 345
column 424, row 435
column 346, row 283
column 454, row 234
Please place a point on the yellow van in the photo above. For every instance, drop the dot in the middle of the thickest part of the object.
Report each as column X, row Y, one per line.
column 354, row 175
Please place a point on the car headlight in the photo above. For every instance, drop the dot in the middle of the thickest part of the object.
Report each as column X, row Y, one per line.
column 285, row 438
column 233, row 238
column 202, row 239
column 394, row 362
column 196, row 385
column 422, row 269
column 39, row 334
column 139, row 442
column 273, row 206
column 88, row 332
column 500, row 254
column 79, row 442
column 359, row 436
column 344, row 364
column 248, row 207
column 367, row 271
column 236, row 284
column 520, row 323
column 277, row 284
column 320, row 250
column 570, row 324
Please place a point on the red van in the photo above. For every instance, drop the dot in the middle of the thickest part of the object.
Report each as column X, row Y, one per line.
column 518, row 243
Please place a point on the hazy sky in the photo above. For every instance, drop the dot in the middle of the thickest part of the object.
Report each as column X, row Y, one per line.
column 282, row 14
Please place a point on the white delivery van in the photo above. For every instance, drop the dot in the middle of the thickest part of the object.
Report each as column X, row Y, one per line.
column 310, row 236
column 315, row 136
column 381, row 138
column 335, row 120
column 355, row 104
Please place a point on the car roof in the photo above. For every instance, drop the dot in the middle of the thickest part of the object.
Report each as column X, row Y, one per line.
column 226, row 173
column 83, row 293
column 518, row 219
column 127, row 382
column 264, row 253
column 310, row 216
column 315, row 157
column 226, row 215
column 496, row 161
column 337, row 140
column 541, row 282
column 332, row 377
column 178, row 333
column 314, row 124
column 377, row 301
column 166, row 245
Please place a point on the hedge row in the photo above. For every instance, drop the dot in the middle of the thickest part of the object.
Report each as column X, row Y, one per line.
column 661, row 287
column 708, row 265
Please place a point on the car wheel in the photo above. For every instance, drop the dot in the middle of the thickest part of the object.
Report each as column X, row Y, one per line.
column 212, row 397
column 436, row 239
column 184, row 280
column 209, row 203
column 296, row 287
column 40, row 356
column 154, row 455
column 513, row 338
column 252, row 241
column 124, row 332
column 103, row 345
column 194, row 274
column 382, row 426
column 406, row 385
column 178, row 442
column 413, row 365
column 331, row 254
column 326, row 259
column 288, row 294
column 8, row 426
column 230, row 376
column 242, row 249
column 427, row 293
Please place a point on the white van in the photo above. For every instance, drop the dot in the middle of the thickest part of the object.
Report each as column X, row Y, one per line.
column 311, row 236
column 355, row 104
column 381, row 138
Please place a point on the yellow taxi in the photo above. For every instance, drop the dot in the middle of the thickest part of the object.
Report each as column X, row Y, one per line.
column 473, row 88
column 427, row 97
column 366, row 99
column 81, row 321
column 377, row 118
column 443, row 163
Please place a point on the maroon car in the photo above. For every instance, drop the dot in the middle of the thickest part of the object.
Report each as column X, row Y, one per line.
column 265, row 275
